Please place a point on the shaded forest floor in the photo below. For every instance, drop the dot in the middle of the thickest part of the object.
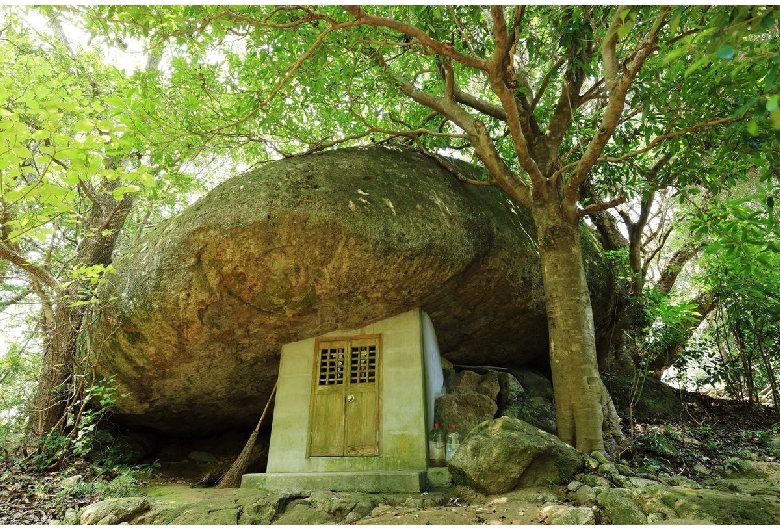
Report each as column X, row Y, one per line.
column 697, row 437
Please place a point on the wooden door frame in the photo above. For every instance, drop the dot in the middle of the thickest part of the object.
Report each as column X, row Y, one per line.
column 347, row 339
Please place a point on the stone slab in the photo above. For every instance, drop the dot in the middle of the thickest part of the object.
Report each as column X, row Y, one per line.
column 367, row 482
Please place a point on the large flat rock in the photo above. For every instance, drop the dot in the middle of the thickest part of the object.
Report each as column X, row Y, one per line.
column 300, row 247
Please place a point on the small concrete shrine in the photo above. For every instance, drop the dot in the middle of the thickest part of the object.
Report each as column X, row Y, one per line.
column 353, row 409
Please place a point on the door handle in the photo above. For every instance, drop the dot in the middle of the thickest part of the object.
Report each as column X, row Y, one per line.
column 351, row 398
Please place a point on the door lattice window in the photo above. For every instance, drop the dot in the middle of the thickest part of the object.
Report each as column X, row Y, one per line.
column 363, row 364
column 345, row 406
column 332, row 365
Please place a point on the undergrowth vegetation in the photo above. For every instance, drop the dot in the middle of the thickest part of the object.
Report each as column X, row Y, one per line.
column 697, row 451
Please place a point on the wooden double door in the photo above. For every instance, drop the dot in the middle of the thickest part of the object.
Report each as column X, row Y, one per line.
column 345, row 397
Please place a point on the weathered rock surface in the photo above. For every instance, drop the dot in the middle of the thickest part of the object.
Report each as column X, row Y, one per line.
column 114, row 511
column 202, row 305
column 557, row 514
column 620, row 507
column 530, row 401
column 611, row 499
column 464, row 410
column 503, row 454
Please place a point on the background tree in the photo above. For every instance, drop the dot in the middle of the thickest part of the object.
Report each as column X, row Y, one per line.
column 74, row 163
column 740, row 342
column 546, row 98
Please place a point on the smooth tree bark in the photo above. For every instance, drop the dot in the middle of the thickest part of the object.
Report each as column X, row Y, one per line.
column 578, row 388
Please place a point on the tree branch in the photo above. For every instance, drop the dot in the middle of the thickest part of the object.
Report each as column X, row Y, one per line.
column 663, row 137
column 362, row 18
column 675, row 265
column 618, row 89
column 15, row 299
column 509, row 103
column 601, row 206
column 452, row 169
column 31, row 269
column 281, row 84
column 480, row 105
column 546, row 82
column 462, row 30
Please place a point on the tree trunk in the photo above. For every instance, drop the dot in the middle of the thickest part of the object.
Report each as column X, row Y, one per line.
column 64, row 325
column 56, row 369
column 578, row 389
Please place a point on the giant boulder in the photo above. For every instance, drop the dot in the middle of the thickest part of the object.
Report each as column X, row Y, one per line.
column 199, row 308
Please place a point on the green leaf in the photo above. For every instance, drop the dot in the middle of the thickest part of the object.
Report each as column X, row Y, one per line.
column 725, row 52
column 13, row 195
column 775, row 117
column 71, row 178
column 122, row 190
column 21, row 151
column 771, row 103
column 84, row 126
column 752, row 127
column 675, row 23
column 695, row 66
column 768, row 21
column 146, row 179
column 744, row 108
column 625, row 29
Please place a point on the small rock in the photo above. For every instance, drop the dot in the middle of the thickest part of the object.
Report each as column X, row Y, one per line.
column 585, row 496
column 466, row 410
column 738, row 467
column 774, row 446
column 574, row 485
column 608, row 468
column 71, row 517
column 109, row 519
column 502, row 454
column 567, row 515
column 637, row 482
column 620, row 481
column 701, row 470
column 72, row 482
column 468, row 382
column 202, row 456
column 600, row 457
column 511, row 390
column 595, row 480
column 591, row 462
column 534, row 383
column 123, row 509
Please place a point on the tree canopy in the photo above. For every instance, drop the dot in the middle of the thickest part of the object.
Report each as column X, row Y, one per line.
column 571, row 110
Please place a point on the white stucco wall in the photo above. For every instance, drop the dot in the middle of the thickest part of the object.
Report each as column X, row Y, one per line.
column 402, row 401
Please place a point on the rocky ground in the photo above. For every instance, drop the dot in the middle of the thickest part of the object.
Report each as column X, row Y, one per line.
column 715, row 464
column 745, row 496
